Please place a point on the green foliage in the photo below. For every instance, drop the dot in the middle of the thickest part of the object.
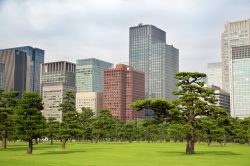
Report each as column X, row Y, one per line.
column 70, row 126
column 52, row 131
column 30, row 124
column 86, row 118
column 195, row 102
column 28, row 116
column 103, row 125
column 163, row 109
column 7, row 103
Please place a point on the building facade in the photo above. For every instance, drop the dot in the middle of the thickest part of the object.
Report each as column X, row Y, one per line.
column 149, row 53
column 240, row 81
column 223, row 98
column 56, row 79
column 36, row 58
column 2, row 66
column 92, row 100
column 89, row 74
column 235, row 34
column 53, row 96
column 122, row 86
column 16, row 70
column 214, row 74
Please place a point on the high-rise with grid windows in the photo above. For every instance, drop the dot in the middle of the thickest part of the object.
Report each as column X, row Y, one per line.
column 240, row 81
column 56, row 79
column 149, row 53
column 89, row 74
column 235, row 34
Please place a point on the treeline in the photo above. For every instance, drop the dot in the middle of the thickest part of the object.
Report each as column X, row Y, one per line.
column 192, row 117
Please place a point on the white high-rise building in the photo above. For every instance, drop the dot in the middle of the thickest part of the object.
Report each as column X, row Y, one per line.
column 214, row 74
column 235, row 34
column 240, row 82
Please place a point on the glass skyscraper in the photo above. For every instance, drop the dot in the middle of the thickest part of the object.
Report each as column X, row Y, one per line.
column 235, row 34
column 90, row 74
column 35, row 59
column 240, row 82
column 149, row 53
column 16, row 68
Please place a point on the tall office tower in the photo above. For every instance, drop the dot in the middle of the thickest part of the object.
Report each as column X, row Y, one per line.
column 149, row 53
column 92, row 100
column 56, row 79
column 36, row 58
column 122, row 86
column 235, row 34
column 240, row 82
column 89, row 74
column 214, row 74
column 16, row 70
column 2, row 75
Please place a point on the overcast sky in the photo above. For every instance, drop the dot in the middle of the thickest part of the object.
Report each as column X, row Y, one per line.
column 75, row 29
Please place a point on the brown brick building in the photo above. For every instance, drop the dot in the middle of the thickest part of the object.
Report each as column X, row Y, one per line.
column 122, row 86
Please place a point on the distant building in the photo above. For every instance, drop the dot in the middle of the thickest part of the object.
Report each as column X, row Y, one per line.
column 92, row 100
column 53, row 96
column 2, row 75
column 214, row 74
column 240, row 81
column 89, row 74
column 56, row 79
column 16, row 70
column 235, row 34
column 36, row 58
column 149, row 53
column 223, row 98
column 122, row 86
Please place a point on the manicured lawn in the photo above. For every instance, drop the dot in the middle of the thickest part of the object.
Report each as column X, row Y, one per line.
column 125, row 154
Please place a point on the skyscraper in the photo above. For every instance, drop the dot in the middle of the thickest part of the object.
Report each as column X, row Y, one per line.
column 56, row 79
column 2, row 75
column 16, row 70
column 235, row 34
column 122, row 86
column 240, row 81
column 36, row 58
column 89, row 74
column 214, row 74
column 149, row 53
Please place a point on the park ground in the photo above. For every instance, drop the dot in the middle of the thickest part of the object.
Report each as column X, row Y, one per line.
column 125, row 154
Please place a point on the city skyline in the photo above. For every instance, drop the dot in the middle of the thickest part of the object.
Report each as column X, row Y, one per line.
column 78, row 30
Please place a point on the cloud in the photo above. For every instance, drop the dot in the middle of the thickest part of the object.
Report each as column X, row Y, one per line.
column 70, row 30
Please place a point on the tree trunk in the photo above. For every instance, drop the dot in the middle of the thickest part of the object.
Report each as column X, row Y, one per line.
column 190, row 143
column 63, row 143
column 4, row 139
column 97, row 138
column 209, row 141
column 51, row 141
column 249, row 142
column 30, row 148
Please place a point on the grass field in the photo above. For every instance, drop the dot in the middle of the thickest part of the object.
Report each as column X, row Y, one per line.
column 125, row 154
